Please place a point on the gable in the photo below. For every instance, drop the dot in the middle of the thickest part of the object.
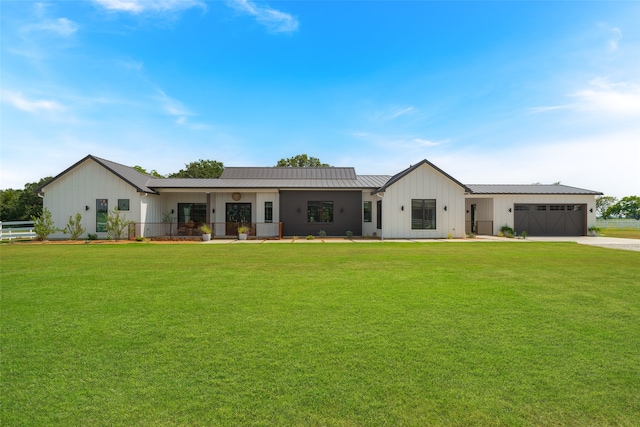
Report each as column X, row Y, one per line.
column 402, row 175
column 128, row 174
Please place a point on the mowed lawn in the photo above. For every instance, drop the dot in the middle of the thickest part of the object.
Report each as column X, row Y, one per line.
column 322, row 334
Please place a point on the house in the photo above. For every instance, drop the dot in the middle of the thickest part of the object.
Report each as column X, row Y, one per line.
column 421, row 201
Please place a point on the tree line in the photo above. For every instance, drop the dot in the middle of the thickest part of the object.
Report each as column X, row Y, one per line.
column 608, row 207
column 21, row 205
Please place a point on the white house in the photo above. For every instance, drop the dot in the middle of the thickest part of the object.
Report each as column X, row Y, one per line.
column 420, row 202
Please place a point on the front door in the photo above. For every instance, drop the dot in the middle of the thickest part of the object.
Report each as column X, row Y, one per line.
column 237, row 214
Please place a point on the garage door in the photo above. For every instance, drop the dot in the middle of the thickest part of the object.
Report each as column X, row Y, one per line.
column 551, row 220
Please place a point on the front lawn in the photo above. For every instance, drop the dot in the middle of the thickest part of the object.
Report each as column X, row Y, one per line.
column 357, row 334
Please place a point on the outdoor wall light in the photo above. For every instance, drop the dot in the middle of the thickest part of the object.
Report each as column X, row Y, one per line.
column 591, row 210
column 467, row 210
column 86, row 208
column 171, row 210
column 402, row 207
column 213, row 211
column 445, row 208
column 509, row 209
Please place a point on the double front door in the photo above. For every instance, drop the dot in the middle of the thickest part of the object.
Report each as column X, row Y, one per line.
column 237, row 214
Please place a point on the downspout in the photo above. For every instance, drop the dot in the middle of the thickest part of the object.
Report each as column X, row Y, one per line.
column 380, row 213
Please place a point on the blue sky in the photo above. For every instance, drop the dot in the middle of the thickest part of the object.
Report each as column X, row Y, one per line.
column 502, row 92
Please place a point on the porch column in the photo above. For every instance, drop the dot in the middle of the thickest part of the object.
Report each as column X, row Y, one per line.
column 208, row 208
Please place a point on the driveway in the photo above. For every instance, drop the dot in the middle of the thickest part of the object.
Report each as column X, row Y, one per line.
column 605, row 242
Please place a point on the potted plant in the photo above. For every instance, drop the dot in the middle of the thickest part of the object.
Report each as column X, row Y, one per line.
column 243, row 232
column 206, row 232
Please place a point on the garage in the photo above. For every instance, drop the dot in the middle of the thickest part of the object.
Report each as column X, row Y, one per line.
column 551, row 219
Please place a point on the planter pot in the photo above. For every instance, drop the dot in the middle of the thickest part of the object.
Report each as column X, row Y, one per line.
column 206, row 237
column 242, row 236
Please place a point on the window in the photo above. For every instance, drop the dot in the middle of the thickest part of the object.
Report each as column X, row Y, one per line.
column 319, row 211
column 423, row 214
column 123, row 204
column 379, row 214
column 268, row 211
column 196, row 212
column 102, row 210
column 366, row 212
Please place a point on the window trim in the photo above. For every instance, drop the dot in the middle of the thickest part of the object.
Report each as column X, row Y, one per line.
column 318, row 205
column 428, row 214
column 121, row 201
column 367, row 215
column 268, row 212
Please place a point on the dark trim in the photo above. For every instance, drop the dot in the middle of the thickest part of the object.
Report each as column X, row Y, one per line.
column 101, row 163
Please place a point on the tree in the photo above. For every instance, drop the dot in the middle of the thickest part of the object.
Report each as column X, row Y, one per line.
column 20, row 205
column 200, row 169
column 627, row 207
column 43, row 224
column 603, row 203
column 153, row 172
column 301, row 161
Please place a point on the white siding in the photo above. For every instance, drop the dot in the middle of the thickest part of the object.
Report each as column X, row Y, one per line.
column 423, row 183
column 500, row 205
column 369, row 228
column 80, row 187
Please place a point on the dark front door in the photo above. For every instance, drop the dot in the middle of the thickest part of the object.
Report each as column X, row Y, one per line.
column 238, row 214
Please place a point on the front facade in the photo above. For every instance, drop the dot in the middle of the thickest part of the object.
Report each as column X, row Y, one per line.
column 420, row 202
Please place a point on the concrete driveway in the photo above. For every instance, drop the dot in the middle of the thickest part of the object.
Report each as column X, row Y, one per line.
column 605, row 242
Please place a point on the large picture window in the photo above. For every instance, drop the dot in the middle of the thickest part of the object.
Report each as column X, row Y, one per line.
column 102, row 210
column 366, row 212
column 319, row 211
column 423, row 214
column 196, row 212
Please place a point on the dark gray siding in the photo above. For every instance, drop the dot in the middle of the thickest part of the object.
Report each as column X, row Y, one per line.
column 347, row 213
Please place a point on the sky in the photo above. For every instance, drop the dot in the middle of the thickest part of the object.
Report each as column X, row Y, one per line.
column 500, row 92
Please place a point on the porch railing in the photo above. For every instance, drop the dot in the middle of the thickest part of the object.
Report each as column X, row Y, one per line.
column 267, row 230
column 484, row 228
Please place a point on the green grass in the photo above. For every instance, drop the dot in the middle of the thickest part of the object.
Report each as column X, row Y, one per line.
column 320, row 334
column 626, row 233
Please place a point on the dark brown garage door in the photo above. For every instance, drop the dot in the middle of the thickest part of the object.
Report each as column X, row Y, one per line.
column 551, row 220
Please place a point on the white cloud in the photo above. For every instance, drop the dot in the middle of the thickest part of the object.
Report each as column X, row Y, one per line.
column 61, row 26
column 606, row 97
column 19, row 101
column 274, row 20
column 140, row 6
column 620, row 99
column 175, row 108
column 614, row 33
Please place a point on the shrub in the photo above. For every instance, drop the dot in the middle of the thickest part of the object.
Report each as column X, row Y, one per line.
column 92, row 236
column 506, row 231
column 322, row 233
column 43, row 225
column 74, row 227
column 524, row 234
column 349, row 234
column 116, row 225
column 310, row 237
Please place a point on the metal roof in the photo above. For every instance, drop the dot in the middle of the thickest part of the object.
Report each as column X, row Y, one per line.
column 288, row 173
column 128, row 174
column 359, row 182
column 528, row 189
column 397, row 177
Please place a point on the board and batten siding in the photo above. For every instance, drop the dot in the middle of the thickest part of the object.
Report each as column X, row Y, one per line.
column 503, row 202
column 82, row 186
column 423, row 183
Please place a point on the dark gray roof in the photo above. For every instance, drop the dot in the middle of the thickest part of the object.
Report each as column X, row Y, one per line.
column 397, row 177
column 288, row 173
column 126, row 173
column 359, row 182
column 528, row 189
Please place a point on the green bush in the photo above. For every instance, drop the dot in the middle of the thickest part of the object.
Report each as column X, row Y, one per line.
column 43, row 225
